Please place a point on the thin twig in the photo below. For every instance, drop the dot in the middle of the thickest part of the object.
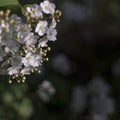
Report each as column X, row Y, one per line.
column 19, row 4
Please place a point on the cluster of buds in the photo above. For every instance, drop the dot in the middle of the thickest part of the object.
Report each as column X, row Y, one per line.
column 23, row 45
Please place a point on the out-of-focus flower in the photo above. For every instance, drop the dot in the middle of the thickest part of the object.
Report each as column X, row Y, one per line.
column 98, row 86
column 61, row 64
column 79, row 97
column 46, row 91
column 101, row 105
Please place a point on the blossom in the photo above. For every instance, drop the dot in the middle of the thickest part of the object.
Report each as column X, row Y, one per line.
column 15, row 21
column 41, row 28
column 13, row 70
column 47, row 7
column 6, row 38
column 31, row 60
column 12, row 47
column 24, row 28
column 36, row 62
column 35, row 11
column 28, row 59
column 51, row 34
column 30, row 39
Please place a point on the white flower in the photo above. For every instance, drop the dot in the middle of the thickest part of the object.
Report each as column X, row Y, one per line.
column 31, row 60
column 51, row 34
column 23, row 31
column 47, row 7
column 24, row 28
column 12, row 47
column 13, row 70
column 28, row 59
column 30, row 38
column 35, row 11
column 6, row 38
column 36, row 62
column 15, row 22
column 41, row 28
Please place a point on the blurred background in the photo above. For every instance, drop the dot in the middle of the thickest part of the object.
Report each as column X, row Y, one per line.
column 81, row 80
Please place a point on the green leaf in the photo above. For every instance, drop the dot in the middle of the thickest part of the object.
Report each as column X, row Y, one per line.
column 8, row 2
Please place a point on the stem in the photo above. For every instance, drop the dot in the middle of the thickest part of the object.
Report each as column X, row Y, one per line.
column 19, row 4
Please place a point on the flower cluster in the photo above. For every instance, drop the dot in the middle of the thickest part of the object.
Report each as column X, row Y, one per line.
column 23, row 45
column 100, row 105
column 46, row 91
